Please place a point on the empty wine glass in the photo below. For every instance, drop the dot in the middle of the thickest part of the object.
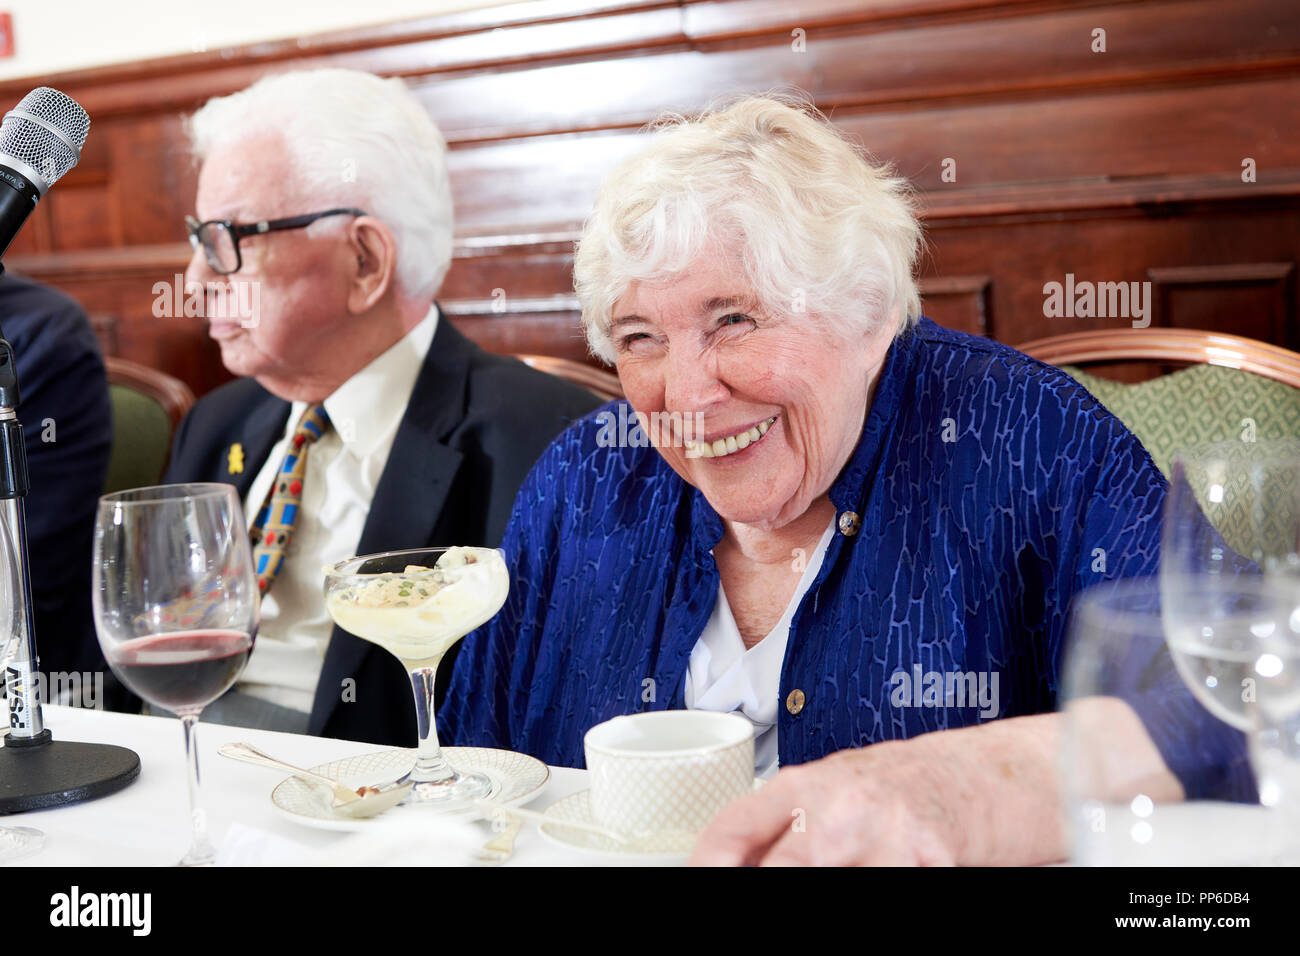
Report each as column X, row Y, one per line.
column 1230, row 551
column 417, row 605
column 1146, row 703
column 176, row 605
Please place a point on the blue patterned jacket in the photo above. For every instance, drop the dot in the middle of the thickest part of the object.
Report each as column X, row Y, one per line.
column 989, row 489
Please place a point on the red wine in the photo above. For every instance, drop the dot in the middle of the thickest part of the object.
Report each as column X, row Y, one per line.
column 183, row 670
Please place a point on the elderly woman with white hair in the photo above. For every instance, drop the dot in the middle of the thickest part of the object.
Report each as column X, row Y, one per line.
column 845, row 512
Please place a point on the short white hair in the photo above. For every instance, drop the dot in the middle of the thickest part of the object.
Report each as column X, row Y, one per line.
column 817, row 226
column 357, row 140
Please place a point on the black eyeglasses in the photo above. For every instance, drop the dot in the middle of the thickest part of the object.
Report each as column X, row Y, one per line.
column 219, row 238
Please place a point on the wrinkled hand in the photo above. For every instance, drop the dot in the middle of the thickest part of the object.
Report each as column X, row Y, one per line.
column 891, row 804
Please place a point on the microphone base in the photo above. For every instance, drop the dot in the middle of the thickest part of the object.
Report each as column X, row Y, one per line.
column 45, row 773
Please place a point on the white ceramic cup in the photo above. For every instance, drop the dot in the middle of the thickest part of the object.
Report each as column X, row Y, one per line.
column 668, row 771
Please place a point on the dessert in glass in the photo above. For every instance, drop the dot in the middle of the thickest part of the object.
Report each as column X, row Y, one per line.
column 416, row 605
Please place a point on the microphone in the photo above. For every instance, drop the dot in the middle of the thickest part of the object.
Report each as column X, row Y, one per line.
column 40, row 140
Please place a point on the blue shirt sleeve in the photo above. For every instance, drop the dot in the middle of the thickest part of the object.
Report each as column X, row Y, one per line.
column 1119, row 537
column 487, row 699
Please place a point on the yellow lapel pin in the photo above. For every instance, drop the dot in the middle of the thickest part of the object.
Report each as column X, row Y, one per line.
column 235, row 464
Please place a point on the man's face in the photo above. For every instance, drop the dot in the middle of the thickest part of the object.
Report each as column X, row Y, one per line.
column 298, row 283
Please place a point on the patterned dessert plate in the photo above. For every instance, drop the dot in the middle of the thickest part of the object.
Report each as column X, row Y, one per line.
column 516, row 778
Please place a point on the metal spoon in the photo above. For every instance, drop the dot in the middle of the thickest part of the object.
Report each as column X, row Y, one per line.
column 358, row 804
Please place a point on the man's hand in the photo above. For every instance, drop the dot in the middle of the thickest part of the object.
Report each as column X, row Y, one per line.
column 881, row 805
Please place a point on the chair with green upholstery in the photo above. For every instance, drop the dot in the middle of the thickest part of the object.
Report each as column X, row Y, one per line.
column 1234, row 388
column 147, row 407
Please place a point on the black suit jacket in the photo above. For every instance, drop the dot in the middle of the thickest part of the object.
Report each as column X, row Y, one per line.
column 473, row 428
column 67, row 429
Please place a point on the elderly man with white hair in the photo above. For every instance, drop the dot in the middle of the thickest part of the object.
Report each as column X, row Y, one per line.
column 849, row 512
column 362, row 421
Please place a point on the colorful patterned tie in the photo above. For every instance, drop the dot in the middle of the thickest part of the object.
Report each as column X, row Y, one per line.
column 273, row 529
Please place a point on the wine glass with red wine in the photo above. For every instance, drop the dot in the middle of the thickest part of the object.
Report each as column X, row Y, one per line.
column 176, row 605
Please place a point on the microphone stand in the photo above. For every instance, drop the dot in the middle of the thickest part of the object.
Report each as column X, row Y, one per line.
column 35, row 770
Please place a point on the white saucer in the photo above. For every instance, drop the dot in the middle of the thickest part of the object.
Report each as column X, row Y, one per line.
column 675, row 848
column 516, row 778
column 666, row 850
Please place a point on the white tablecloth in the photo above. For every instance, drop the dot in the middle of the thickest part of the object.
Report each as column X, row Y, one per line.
column 147, row 823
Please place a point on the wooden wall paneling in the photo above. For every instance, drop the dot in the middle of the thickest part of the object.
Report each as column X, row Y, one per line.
column 156, row 177
column 919, row 59
column 1106, row 245
column 557, row 333
column 524, row 270
column 581, row 36
column 188, row 80
column 959, row 302
column 1097, row 138
column 120, row 283
column 1098, row 245
column 84, row 213
column 1160, row 197
column 1116, row 134
column 1256, row 300
column 1116, row 245
column 177, row 344
column 1149, row 43
column 1110, row 166
column 550, row 179
column 534, row 183
column 105, row 326
column 733, row 18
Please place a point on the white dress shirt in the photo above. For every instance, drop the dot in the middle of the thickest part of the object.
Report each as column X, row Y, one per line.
column 343, row 469
column 726, row 676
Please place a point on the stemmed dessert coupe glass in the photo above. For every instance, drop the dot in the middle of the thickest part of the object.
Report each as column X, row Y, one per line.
column 176, row 605
column 417, row 604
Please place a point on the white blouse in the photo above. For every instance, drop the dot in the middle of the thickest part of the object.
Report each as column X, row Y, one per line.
column 726, row 676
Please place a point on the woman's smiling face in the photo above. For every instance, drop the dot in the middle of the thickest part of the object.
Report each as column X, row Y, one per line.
column 703, row 349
